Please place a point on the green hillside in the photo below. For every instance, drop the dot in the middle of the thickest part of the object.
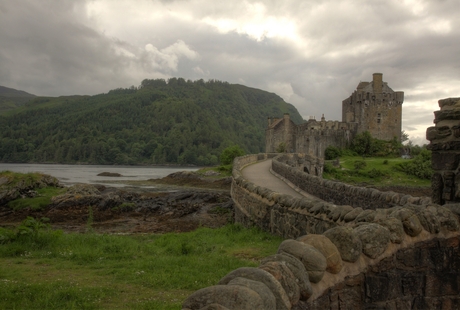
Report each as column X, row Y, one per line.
column 173, row 122
column 11, row 98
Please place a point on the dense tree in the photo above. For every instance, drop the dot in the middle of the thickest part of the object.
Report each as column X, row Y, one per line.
column 230, row 153
column 159, row 122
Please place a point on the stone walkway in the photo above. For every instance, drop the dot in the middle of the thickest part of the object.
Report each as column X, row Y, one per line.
column 259, row 174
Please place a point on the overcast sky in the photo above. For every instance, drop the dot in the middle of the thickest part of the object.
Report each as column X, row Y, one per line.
column 312, row 53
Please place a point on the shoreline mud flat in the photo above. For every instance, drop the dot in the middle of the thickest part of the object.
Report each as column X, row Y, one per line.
column 178, row 203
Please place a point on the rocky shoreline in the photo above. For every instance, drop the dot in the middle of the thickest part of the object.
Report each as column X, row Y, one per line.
column 179, row 202
column 192, row 202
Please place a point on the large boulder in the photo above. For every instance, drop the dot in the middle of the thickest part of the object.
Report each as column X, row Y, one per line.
column 256, row 274
column 327, row 248
column 314, row 262
column 374, row 238
column 410, row 221
column 229, row 296
column 352, row 215
column 283, row 275
column 78, row 195
column 297, row 269
column 11, row 188
column 268, row 299
column 347, row 242
column 395, row 227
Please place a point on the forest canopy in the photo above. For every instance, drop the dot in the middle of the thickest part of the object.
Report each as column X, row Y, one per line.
column 176, row 121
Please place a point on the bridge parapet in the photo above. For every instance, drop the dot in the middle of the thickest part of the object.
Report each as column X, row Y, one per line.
column 337, row 192
column 404, row 254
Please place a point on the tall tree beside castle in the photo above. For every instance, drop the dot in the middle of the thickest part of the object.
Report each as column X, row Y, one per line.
column 372, row 107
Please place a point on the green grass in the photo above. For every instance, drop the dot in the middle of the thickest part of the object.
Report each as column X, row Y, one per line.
column 27, row 181
column 25, row 178
column 53, row 270
column 41, row 201
column 378, row 171
column 223, row 171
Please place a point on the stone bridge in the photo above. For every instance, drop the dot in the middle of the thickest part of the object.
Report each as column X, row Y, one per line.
column 346, row 247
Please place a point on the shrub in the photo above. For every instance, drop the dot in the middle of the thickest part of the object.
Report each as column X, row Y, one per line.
column 230, row 153
column 332, row 152
column 420, row 166
column 359, row 165
column 328, row 168
column 375, row 173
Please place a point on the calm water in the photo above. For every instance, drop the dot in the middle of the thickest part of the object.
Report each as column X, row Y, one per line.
column 71, row 174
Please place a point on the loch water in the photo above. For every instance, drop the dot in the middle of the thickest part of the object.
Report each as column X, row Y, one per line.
column 72, row 174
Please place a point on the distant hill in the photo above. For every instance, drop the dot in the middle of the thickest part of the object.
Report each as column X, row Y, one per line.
column 11, row 98
column 159, row 122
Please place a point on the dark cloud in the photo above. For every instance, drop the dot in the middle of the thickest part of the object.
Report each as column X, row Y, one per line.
column 312, row 53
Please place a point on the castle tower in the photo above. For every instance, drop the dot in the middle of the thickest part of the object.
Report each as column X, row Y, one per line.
column 377, row 81
column 376, row 108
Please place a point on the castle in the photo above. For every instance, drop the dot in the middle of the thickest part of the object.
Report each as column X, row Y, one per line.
column 372, row 107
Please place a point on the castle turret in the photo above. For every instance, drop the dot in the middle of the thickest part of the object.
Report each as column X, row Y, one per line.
column 377, row 81
column 376, row 108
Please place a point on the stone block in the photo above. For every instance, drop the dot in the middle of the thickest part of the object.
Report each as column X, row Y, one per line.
column 314, row 262
column 382, row 287
column 297, row 269
column 327, row 248
column 413, row 283
column 445, row 160
column 350, row 216
column 268, row 299
column 231, row 297
column 410, row 221
column 256, row 274
column 374, row 238
column 395, row 227
column 347, row 242
column 285, row 277
column 437, row 285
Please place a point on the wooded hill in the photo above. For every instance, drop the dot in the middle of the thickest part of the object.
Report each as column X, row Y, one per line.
column 159, row 122
column 11, row 98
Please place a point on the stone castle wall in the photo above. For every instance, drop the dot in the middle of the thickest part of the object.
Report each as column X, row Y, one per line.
column 314, row 137
column 280, row 135
column 444, row 144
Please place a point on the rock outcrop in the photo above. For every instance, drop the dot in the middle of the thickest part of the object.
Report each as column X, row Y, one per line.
column 11, row 189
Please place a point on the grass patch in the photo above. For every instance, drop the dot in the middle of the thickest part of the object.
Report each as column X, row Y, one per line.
column 221, row 171
column 21, row 185
column 376, row 171
column 41, row 201
column 52, row 270
column 27, row 179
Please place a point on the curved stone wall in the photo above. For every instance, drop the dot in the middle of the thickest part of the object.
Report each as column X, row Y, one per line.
column 337, row 192
column 336, row 255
